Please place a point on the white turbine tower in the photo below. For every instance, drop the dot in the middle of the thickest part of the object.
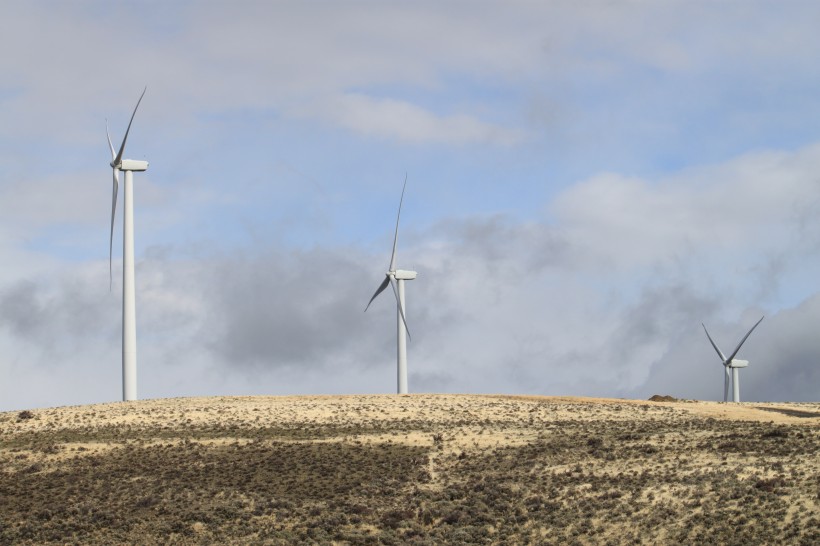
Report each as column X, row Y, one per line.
column 129, row 317
column 733, row 364
column 396, row 277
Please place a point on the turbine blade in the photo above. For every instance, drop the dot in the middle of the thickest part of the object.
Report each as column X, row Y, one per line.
column 111, row 239
column 720, row 354
column 726, row 384
column 118, row 158
column 739, row 345
column 401, row 309
column 379, row 290
column 111, row 146
column 396, row 234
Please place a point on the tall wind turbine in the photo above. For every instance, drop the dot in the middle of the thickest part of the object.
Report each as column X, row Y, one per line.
column 395, row 278
column 129, row 317
column 733, row 364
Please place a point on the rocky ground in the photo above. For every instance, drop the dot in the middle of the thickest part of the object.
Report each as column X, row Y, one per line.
column 417, row 469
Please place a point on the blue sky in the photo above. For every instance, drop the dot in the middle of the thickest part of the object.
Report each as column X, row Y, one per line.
column 587, row 183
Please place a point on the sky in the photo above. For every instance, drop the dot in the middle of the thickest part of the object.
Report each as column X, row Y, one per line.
column 587, row 183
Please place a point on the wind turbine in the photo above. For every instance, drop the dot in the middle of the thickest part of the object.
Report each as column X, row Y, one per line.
column 395, row 278
column 733, row 364
column 129, row 317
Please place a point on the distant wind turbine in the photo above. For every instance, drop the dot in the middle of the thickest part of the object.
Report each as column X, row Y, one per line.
column 396, row 277
column 129, row 317
column 733, row 364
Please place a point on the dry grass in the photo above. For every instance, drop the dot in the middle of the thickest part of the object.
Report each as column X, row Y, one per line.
column 418, row 469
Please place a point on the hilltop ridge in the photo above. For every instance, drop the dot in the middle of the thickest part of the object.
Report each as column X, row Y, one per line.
column 417, row 469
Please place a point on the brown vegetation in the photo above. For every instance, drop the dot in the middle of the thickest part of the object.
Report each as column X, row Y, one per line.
column 419, row 469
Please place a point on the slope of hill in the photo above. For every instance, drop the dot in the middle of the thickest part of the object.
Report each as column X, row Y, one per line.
column 417, row 469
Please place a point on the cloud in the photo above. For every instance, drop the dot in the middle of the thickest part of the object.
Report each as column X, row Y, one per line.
column 404, row 121
column 500, row 305
column 207, row 61
column 53, row 320
column 636, row 174
column 787, row 367
column 748, row 206
column 22, row 313
column 282, row 309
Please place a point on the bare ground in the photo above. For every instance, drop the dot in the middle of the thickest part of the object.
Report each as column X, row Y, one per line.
column 417, row 469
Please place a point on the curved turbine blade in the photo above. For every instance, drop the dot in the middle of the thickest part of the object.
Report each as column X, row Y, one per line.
column 379, row 290
column 726, row 384
column 118, row 157
column 396, row 234
column 720, row 354
column 111, row 239
column 744, row 338
column 111, row 146
column 401, row 310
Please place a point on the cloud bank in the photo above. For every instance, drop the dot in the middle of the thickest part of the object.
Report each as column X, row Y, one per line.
column 588, row 183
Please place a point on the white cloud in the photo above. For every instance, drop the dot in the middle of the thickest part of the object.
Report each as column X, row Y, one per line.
column 749, row 206
column 404, row 121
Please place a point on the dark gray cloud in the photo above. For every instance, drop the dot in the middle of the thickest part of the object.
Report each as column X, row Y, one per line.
column 501, row 245
column 662, row 315
column 786, row 355
column 20, row 308
column 56, row 319
column 302, row 309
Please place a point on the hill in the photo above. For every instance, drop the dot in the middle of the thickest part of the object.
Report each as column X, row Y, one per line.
column 417, row 469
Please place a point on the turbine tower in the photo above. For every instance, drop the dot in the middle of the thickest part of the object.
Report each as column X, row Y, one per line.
column 733, row 364
column 129, row 317
column 395, row 278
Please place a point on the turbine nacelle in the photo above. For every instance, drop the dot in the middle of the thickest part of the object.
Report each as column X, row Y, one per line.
column 402, row 275
column 131, row 165
column 737, row 363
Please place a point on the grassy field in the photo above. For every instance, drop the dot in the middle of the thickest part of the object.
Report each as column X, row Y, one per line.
column 417, row 469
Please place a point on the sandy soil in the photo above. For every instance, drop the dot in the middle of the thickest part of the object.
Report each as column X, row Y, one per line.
column 663, row 464
column 433, row 408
